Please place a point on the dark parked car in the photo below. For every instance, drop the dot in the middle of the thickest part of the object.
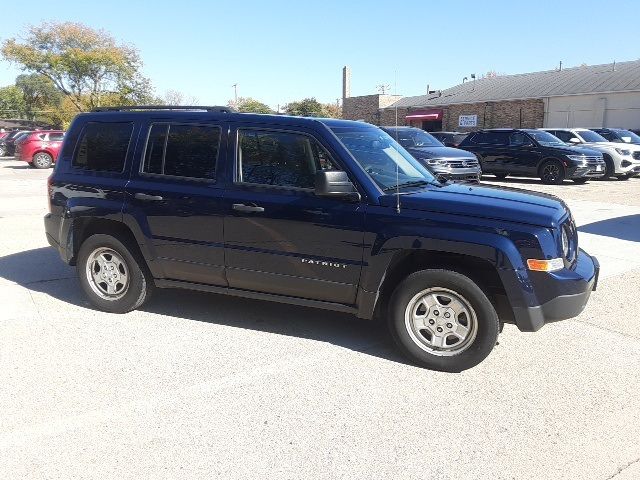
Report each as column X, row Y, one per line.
column 450, row 139
column 445, row 162
column 325, row 213
column 8, row 143
column 533, row 153
column 618, row 135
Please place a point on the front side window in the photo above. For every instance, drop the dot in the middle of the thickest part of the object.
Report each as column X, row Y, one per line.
column 386, row 161
column 519, row 139
column 189, row 151
column 103, row 146
column 281, row 159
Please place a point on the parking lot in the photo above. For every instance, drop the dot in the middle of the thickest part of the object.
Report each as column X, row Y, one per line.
column 198, row 385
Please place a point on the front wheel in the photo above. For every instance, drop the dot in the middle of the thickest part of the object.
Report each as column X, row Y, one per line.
column 552, row 172
column 442, row 320
column 112, row 275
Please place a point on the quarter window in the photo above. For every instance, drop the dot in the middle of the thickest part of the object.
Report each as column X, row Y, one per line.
column 103, row 146
column 182, row 151
column 280, row 158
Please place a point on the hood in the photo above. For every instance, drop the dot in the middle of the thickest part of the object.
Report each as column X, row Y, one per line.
column 581, row 149
column 502, row 203
column 439, row 152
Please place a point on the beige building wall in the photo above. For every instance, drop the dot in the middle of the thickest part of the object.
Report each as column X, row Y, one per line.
column 596, row 110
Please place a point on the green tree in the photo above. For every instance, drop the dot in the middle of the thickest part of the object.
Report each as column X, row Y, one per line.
column 11, row 102
column 250, row 105
column 308, row 107
column 331, row 110
column 87, row 66
column 39, row 94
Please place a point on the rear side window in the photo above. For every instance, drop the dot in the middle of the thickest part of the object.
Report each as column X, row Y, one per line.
column 490, row 138
column 103, row 146
column 56, row 137
column 280, row 158
column 182, row 151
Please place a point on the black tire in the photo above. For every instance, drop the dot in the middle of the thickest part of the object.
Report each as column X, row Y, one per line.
column 473, row 351
column 42, row 160
column 624, row 177
column 552, row 172
column 609, row 167
column 140, row 283
column 500, row 176
column 580, row 181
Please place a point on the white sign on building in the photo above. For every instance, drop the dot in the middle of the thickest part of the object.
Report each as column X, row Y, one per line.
column 468, row 121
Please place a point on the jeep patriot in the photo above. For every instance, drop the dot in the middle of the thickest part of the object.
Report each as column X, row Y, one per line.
column 325, row 213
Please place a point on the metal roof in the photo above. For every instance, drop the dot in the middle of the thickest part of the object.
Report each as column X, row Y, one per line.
column 618, row 77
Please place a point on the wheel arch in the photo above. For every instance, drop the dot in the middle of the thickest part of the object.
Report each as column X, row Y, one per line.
column 481, row 271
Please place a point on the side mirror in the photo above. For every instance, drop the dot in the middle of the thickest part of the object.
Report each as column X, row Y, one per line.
column 334, row 183
column 574, row 140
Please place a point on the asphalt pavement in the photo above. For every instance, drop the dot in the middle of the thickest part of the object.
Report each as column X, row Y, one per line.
column 198, row 385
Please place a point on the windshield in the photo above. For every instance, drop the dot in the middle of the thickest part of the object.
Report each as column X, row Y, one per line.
column 386, row 162
column 545, row 138
column 409, row 138
column 628, row 136
column 589, row 136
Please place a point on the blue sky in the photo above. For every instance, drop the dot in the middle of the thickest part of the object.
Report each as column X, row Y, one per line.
column 278, row 51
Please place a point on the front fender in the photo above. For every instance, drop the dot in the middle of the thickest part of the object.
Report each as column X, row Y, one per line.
column 392, row 235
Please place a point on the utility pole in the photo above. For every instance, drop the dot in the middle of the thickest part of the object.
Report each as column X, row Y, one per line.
column 235, row 93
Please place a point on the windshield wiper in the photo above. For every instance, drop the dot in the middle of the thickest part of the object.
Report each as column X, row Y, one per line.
column 416, row 183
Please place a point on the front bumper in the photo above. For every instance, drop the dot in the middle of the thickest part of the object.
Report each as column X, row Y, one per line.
column 459, row 174
column 572, row 289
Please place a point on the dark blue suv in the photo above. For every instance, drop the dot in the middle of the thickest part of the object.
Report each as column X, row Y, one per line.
column 325, row 213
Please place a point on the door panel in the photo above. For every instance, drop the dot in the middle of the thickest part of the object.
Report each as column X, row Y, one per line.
column 180, row 217
column 279, row 237
column 300, row 245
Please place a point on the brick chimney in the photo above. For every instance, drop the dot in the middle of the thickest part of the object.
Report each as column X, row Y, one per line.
column 346, row 82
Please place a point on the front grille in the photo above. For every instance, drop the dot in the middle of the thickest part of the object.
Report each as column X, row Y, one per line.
column 636, row 155
column 460, row 163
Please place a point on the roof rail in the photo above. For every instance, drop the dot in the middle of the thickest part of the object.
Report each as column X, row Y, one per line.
column 216, row 109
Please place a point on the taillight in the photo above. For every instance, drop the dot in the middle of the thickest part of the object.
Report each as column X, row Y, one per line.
column 50, row 191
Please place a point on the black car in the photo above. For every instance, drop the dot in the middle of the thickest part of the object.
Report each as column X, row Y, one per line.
column 450, row 139
column 8, row 143
column 533, row 153
column 445, row 162
column 323, row 213
column 618, row 135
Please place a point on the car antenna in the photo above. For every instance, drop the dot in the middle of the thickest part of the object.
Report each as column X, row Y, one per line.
column 395, row 93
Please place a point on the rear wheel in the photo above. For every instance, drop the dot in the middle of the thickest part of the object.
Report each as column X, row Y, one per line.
column 580, row 181
column 442, row 320
column 42, row 160
column 113, row 275
column 552, row 172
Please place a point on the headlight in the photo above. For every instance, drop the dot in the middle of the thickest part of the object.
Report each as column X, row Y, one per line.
column 581, row 159
column 437, row 161
column 565, row 242
column 622, row 152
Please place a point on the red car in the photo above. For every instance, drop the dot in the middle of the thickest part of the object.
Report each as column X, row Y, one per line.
column 40, row 149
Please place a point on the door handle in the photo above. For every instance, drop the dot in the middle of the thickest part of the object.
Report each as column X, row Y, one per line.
column 146, row 196
column 241, row 207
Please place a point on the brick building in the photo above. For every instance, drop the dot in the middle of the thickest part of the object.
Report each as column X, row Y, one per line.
column 587, row 96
